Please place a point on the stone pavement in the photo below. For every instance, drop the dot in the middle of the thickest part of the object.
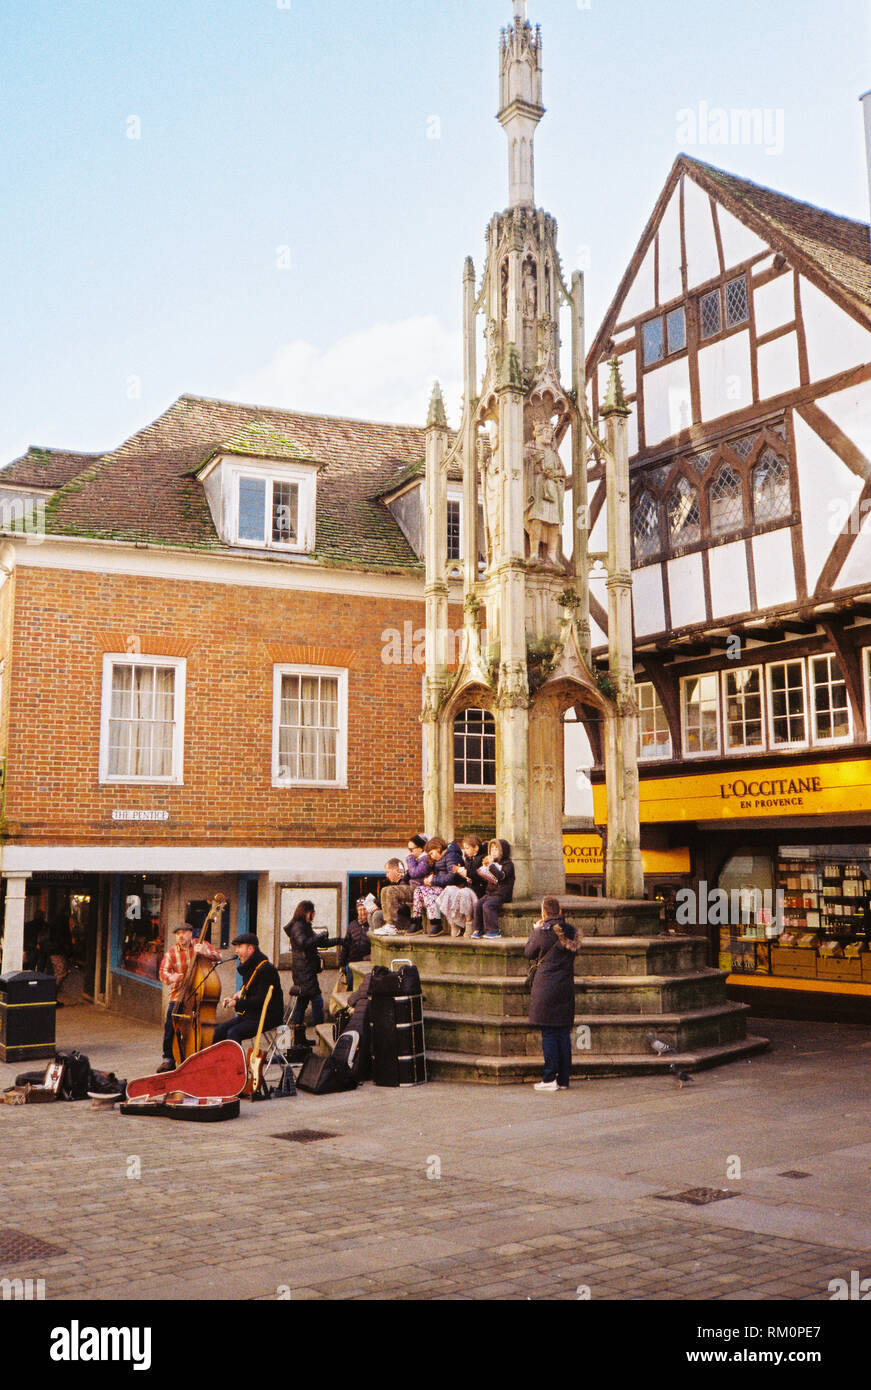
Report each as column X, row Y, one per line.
column 448, row 1191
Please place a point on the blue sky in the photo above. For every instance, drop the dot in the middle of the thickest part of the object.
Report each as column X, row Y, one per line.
column 284, row 230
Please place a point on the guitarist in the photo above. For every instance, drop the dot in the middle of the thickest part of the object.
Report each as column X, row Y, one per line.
column 173, row 969
column 258, row 974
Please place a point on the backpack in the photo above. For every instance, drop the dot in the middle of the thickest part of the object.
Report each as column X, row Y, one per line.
column 76, row 1077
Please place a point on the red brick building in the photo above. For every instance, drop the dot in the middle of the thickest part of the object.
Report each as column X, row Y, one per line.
column 211, row 681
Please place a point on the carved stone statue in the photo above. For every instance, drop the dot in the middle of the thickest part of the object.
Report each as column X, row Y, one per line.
column 545, row 491
column 530, row 291
column 491, row 482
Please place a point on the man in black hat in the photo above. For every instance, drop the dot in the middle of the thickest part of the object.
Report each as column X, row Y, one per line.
column 258, row 974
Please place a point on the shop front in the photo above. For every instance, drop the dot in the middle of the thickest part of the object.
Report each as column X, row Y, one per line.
column 666, row 869
column 781, row 877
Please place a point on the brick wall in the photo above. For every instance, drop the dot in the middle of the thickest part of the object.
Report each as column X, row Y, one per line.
column 231, row 637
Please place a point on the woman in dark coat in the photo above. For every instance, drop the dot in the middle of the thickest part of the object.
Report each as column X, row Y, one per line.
column 306, row 966
column 553, row 943
column 497, row 873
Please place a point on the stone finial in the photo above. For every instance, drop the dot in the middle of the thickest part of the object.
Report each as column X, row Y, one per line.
column 469, row 270
column 615, row 400
column 519, row 11
column 437, row 419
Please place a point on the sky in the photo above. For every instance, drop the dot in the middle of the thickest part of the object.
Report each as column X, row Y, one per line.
column 271, row 200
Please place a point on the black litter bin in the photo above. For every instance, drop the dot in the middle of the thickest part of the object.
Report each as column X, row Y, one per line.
column 28, row 1007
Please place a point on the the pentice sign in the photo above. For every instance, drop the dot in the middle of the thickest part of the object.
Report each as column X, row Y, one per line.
column 140, row 815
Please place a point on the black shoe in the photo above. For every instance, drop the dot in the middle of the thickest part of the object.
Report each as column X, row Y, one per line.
column 166, row 1065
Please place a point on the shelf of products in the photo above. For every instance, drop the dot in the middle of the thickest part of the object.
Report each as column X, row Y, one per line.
column 825, row 931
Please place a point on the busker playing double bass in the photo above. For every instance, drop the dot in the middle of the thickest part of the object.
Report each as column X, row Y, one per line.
column 173, row 970
column 258, row 974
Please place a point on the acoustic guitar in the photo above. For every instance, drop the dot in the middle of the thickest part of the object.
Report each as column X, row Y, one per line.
column 255, row 1085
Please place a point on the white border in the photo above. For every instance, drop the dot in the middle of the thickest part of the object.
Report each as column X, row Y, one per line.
column 705, row 752
column 744, row 747
column 773, row 744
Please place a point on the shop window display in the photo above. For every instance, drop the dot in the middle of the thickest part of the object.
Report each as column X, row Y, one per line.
column 142, row 926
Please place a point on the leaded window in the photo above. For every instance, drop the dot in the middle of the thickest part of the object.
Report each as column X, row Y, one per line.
column 771, row 498
column 653, row 341
column 710, row 317
column 726, row 501
column 829, row 702
column 475, row 749
column 142, row 720
column 645, row 527
column 742, row 691
column 684, row 517
column 786, row 692
column 737, row 306
column 676, row 328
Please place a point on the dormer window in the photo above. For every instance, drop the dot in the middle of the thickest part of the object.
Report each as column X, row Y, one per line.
column 272, row 510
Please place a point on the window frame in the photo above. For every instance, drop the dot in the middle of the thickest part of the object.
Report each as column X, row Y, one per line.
column 279, row 671
column 669, row 353
column 472, row 786
column 816, row 739
column 775, row 744
column 655, row 706
column 304, row 478
column 719, row 289
column 684, row 727
column 179, row 665
column 729, row 747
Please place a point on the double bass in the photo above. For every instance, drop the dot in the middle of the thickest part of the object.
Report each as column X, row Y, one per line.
column 197, row 1004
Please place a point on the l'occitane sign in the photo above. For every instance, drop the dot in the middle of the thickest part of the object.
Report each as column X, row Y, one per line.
column 583, row 855
column 811, row 789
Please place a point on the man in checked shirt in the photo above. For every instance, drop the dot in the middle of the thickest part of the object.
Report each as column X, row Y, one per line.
column 173, row 969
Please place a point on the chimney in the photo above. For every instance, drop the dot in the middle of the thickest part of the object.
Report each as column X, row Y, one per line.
column 866, row 106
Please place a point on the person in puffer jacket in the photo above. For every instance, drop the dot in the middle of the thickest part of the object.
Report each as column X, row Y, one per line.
column 443, row 863
column 497, row 871
column 306, row 965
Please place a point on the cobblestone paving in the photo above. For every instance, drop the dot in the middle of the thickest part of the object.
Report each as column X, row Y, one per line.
column 452, row 1192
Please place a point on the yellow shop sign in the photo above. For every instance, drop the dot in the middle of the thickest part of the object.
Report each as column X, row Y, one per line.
column 812, row 789
column 583, row 855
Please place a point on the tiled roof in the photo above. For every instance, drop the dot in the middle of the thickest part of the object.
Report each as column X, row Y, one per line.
column 833, row 251
column 839, row 247
column 44, row 468
column 145, row 490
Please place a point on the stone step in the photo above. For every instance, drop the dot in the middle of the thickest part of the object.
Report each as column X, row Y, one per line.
column 609, row 1034
column 508, row 995
column 594, row 916
column 514, row 1070
column 629, row 956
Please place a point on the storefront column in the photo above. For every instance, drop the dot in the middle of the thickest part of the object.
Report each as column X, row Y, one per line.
column 13, row 922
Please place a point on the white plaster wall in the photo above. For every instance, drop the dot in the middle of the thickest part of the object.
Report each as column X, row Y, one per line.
column 640, row 296
column 774, row 304
column 835, row 342
column 775, row 572
column 686, row 590
column 777, row 364
column 577, row 759
column 670, row 283
column 857, row 566
column 632, row 432
column 703, row 263
column 724, row 376
column 730, row 585
column 828, row 491
column 851, row 412
column 648, row 603
column 667, row 408
column 598, row 638
column 628, row 372
column 739, row 243
column 599, row 533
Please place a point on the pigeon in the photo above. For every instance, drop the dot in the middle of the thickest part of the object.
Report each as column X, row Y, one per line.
column 680, row 1076
column 657, row 1045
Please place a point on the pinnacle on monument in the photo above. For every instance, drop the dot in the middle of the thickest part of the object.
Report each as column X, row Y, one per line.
column 520, row 108
column 615, row 399
column 437, row 418
column 469, row 269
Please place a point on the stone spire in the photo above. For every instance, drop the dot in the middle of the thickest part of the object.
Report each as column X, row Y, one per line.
column 521, row 108
column 437, row 419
